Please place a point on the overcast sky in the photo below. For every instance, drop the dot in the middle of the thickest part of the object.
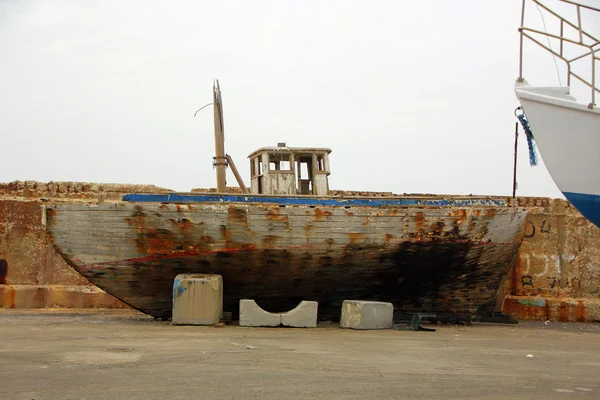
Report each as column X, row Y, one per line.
column 412, row 96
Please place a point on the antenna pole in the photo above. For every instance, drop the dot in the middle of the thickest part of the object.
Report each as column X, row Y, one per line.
column 220, row 161
column 514, row 191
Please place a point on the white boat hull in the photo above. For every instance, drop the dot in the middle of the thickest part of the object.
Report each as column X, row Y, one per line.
column 567, row 135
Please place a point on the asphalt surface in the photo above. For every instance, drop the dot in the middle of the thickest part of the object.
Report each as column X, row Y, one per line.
column 58, row 354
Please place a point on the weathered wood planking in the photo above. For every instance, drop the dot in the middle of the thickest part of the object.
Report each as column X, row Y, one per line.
column 441, row 259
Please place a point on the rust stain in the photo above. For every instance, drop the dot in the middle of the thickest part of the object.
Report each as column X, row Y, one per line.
column 524, row 311
column 388, row 238
column 155, row 241
column 319, row 214
column 225, row 234
column 350, row 213
column 308, row 229
column 184, row 224
column 355, row 237
column 580, row 311
column 419, row 220
column 269, row 240
column 563, row 312
column 460, row 214
column 10, row 299
column 490, row 212
column 476, row 213
column 274, row 214
column 206, row 240
column 139, row 212
column 237, row 214
column 366, row 221
column 437, row 228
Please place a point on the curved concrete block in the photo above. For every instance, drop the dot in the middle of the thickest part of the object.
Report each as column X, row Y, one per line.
column 303, row 316
column 358, row 314
column 252, row 315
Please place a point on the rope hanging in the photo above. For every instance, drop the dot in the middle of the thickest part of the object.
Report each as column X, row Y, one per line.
column 533, row 158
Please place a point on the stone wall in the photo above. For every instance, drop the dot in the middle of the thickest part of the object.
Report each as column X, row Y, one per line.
column 557, row 275
column 32, row 274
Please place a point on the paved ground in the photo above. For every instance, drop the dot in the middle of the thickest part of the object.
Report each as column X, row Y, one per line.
column 123, row 355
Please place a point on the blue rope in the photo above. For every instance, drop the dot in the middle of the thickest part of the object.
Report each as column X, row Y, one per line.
column 533, row 159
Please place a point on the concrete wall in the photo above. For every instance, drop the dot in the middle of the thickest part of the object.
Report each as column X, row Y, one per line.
column 557, row 275
column 32, row 274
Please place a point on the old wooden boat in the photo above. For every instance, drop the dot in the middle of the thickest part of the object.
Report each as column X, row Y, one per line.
column 285, row 240
column 428, row 254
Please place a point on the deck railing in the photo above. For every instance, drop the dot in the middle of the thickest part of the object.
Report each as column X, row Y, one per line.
column 593, row 49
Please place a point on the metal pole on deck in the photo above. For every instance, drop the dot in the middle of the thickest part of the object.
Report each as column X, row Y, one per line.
column 220, row 161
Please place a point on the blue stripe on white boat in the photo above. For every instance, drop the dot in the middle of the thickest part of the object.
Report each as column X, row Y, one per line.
column 310, row 201
column 587, row 204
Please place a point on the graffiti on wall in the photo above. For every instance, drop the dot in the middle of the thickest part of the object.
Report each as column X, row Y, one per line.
column 557, row 257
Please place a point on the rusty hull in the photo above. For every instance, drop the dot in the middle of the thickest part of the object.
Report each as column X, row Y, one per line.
column 434, row 259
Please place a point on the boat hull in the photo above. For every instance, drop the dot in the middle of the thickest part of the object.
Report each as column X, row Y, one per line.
column 568, row 137
column 446, row 259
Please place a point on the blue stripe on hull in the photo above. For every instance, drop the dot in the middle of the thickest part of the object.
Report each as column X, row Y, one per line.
column 310, row 201
column 587, row 204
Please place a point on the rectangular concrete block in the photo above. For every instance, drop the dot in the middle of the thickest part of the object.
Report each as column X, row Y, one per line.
column 303, row 316
column 252, row 315
column 197, row 299
column 358, row 314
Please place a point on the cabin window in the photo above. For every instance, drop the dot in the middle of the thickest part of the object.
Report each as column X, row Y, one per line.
column 320, row 163
column 304, row 170
column 256, row 166
column 280, row 162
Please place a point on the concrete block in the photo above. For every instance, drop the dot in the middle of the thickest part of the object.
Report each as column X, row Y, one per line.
column 358, row 314
column 303, row 316
column 197, row 299
column 252, row 315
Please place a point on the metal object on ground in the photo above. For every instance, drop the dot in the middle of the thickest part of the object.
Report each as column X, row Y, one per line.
column 197, row 299
column 415, row 323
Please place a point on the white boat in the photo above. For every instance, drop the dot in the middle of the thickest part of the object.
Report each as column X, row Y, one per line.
column 566, row 132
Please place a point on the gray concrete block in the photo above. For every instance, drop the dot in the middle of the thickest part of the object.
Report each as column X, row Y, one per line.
column 358, row 314
column 303, row 316
column 197, row 299
column 252, row 315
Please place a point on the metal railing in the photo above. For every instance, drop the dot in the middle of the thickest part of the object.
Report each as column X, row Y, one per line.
column 593, row 49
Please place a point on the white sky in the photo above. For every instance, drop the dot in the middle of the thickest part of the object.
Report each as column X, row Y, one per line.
column 412, row 96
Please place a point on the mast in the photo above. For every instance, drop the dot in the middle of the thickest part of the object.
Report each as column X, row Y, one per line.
column 220, row 161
